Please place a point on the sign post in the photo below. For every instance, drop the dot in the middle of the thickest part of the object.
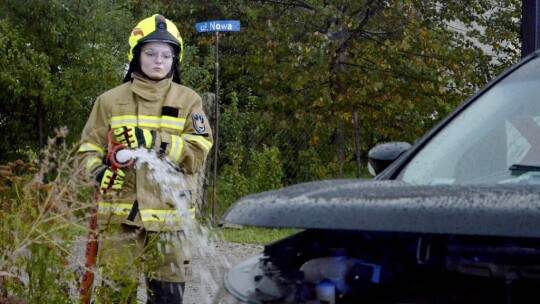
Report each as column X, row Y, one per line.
column 217, row 26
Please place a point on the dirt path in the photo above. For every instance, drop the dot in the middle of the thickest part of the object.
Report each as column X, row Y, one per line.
column 208, row 266
column 207, row 271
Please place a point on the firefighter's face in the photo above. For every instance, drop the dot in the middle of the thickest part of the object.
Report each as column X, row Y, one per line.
column 156, row 59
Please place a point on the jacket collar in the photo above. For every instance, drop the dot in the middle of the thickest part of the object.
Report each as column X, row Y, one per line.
column 150, row 90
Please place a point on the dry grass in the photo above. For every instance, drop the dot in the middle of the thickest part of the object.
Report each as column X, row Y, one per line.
column 42, row 209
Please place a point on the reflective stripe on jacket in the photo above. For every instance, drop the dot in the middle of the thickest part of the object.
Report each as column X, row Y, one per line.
column 122, row 210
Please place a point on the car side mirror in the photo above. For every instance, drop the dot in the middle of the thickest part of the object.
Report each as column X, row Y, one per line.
column 383, row 155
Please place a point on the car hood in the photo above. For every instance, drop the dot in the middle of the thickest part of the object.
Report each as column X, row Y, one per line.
column 499, row 210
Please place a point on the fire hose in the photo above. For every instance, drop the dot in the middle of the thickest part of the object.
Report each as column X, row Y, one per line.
column 87, row 278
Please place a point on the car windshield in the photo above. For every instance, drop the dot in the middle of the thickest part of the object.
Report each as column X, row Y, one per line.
column 494, row 140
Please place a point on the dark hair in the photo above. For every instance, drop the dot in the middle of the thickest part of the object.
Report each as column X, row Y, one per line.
column 135, row 65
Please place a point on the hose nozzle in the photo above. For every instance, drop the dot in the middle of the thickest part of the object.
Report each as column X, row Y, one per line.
column 121, row 157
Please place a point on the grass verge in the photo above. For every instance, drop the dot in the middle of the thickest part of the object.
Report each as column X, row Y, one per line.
column 255, row 235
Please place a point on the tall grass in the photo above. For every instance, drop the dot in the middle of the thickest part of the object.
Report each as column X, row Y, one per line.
column 44, row 208
column 41, row 218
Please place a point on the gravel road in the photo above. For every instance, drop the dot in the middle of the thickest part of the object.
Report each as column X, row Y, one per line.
column 207, row 270
column 209, row 264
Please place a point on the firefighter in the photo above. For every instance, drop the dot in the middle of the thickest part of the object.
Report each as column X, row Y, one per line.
column 140, row 231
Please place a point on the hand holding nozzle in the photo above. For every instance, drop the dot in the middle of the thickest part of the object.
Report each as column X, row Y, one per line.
column 134, row 137
column 110, row 178
column 118, row 154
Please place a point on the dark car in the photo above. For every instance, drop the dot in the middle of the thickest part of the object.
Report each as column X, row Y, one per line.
column 454, row 218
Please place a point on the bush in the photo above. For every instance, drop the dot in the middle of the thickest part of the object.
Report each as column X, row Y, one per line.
column 39, row 229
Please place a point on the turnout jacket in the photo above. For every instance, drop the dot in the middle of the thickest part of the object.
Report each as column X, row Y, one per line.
column 183, row 136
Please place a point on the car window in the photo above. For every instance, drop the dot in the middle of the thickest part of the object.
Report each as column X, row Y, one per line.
column 494, row 140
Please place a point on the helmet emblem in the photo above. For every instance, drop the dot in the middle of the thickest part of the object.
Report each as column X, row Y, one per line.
column 160, row 23
column 138, row 31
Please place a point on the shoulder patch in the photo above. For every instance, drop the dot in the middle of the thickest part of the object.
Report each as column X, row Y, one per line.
column 198, row 123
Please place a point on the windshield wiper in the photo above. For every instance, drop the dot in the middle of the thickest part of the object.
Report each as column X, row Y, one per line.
column 518, row 169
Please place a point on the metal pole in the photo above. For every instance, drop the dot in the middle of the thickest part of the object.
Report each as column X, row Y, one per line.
column 357, row 146
column 216, row 127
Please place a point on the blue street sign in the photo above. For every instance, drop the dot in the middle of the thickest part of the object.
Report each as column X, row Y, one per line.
column 218, row 26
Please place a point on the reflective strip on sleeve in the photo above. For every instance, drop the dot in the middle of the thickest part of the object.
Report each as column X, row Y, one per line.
column 114, row 208
column 92, row 163
column 177, row 145
column 174, row 123
column 88, row 147
column 124, row 120
column 205, row 144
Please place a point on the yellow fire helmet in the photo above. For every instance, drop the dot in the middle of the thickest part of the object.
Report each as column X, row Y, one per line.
column 156, row 28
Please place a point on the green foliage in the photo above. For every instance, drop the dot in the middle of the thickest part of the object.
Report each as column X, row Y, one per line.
column 37, row 232
column 264, row 169
column 232, row 184
column 60, row 54
column 246, row 170
column 198, row 74
column 386, row 60
column 315, row 167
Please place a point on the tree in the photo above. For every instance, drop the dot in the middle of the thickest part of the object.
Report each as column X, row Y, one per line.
column 59, row 54
column 402, row 65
